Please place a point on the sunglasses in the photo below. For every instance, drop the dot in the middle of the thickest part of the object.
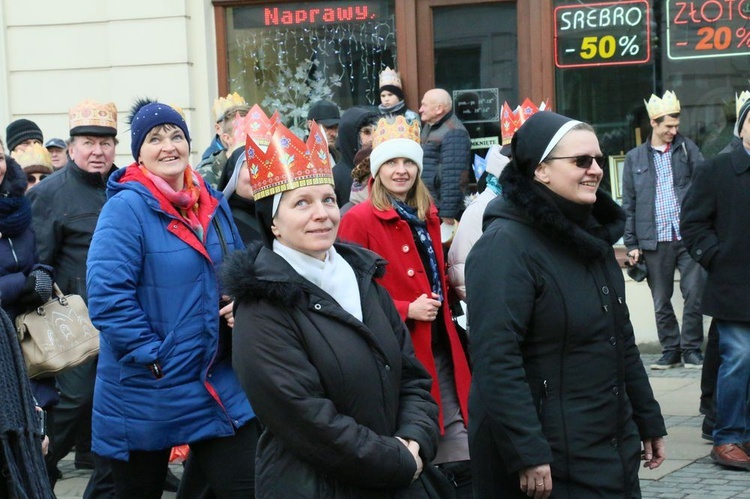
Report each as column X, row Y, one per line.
column 581, row 161
column 33, row 178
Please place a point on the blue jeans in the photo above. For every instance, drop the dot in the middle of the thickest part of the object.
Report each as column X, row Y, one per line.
column 733, row 386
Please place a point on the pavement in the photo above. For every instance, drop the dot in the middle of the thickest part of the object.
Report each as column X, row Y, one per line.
column 688, row 472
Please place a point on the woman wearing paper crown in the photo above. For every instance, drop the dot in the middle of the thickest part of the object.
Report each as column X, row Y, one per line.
column 164, row 376
column 319, row 346
column 400, row 223
column 561, row 405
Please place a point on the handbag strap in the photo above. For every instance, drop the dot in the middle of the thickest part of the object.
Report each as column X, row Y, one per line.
column 223, row 243
column 58, row 292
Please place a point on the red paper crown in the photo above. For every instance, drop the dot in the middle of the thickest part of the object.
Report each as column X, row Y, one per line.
column 254, row 124
column 510, row 121
column 288, row 163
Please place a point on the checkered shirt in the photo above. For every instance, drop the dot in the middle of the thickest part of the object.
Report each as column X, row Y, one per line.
column 667, row 207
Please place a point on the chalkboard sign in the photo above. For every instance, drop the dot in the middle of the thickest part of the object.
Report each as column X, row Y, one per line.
column 477, row 105
column 602, row 34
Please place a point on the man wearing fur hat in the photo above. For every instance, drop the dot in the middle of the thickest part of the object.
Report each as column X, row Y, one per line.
column 36, row 162
column 63, row 238
column 447, row 152
column 656, row 176
column 714, row 227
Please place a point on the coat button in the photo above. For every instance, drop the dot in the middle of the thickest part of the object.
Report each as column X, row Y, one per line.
column 605, row 290
column 210, row 375
column 387, row 367
column 317, row 306
column 613, row 340
column 410, row 272
column 699, row 252
column 615, row 390
column 405, row 248
column 613, row 443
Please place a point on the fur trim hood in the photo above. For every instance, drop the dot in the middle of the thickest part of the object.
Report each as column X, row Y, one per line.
column 519, row 201
column 258, row 273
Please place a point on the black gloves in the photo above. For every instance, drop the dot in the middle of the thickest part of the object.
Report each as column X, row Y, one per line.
column 37, row 289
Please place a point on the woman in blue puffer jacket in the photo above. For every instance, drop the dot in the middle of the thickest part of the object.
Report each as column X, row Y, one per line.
column 164, row 376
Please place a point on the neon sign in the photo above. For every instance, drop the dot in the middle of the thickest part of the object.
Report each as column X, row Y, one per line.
column 602, row 34
column 306, row 14
column 708, row 28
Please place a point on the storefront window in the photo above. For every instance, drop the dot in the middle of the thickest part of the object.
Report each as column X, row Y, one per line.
column 603, row 77
column 288, row 55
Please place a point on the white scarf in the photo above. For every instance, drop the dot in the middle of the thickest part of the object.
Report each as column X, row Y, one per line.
column 333, row 275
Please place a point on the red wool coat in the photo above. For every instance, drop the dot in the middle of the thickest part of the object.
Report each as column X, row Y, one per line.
column 385, row 233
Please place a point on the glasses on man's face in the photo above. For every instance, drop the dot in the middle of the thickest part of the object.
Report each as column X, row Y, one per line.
column 33, row 178
column 581, row 161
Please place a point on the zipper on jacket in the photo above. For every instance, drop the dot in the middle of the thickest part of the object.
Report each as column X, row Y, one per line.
column 13, row 251
column 543, row 393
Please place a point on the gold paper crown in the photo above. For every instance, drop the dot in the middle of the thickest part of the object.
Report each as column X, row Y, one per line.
column 390, row 77
column 254, row 124
column 288, row 163
column 511, row 121
column 179, row 110
column 89, row 117
column 36, row 155
column 395, row 128
column 740, row 101
column 657, row 107
column 223, row 103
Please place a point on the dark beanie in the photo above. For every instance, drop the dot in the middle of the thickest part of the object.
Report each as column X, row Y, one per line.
column 20, row 131
column 536, row 138
column 394, row 90
column 742, row 116
column 145, row 116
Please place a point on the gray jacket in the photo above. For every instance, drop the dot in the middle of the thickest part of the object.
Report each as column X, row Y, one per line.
column 639, row 188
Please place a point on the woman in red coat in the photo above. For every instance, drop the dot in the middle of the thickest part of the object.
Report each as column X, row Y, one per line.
column 400, row 223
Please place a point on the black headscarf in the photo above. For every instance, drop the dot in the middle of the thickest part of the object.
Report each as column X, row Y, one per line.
column 536, row 138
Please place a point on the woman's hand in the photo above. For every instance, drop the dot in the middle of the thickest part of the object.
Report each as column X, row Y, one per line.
column 413, row 447
column 424, row 308
column 226, row 310
column 536, row 481
column 45, row 445
column 654, row 452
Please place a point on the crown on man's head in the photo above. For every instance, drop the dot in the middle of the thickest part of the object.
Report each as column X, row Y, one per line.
column 93, row 118
column 510, row 121
column 288, row 163
column 222, row 104
column 657, row 107
column 35, row 155
column 740, row 101
column 389, row 77
column 390, row 128
column 254, row 124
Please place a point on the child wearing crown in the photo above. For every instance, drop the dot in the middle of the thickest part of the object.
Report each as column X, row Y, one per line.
column 400, row 223
column 392, row 96
column 319, row 346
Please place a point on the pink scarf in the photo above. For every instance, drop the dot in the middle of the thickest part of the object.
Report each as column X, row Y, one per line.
column 186, row 200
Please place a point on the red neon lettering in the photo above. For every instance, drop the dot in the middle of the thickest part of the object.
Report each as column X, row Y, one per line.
column 743, row 10
column 328, row 15
column 360, row 12
column 313, row 12
column 300, row 16
column 705, row 17
column 271, row 16
column 286, row 17
column 344, row 14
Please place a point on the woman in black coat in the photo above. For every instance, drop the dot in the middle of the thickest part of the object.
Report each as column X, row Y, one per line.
column 560, row 404
column 319, row 346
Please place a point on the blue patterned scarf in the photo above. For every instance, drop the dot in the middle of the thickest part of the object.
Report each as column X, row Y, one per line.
column 409, row 214
column 493, row 184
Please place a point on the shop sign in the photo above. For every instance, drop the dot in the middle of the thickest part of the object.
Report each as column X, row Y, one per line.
column 294, row 14
column 484, row 143
column 477, row 105
column 708, row 28
column 602, row 34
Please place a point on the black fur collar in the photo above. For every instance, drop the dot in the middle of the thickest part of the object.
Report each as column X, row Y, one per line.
column 258, row 273
column 606, row 227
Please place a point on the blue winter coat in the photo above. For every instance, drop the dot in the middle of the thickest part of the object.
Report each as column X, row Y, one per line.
column 153, row 294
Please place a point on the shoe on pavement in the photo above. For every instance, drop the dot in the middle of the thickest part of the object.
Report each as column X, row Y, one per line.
column 692, row 359
column 731, row 456
column 746, row 447
column 667, row 361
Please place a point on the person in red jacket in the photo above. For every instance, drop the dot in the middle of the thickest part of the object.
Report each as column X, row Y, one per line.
column 399, row 221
